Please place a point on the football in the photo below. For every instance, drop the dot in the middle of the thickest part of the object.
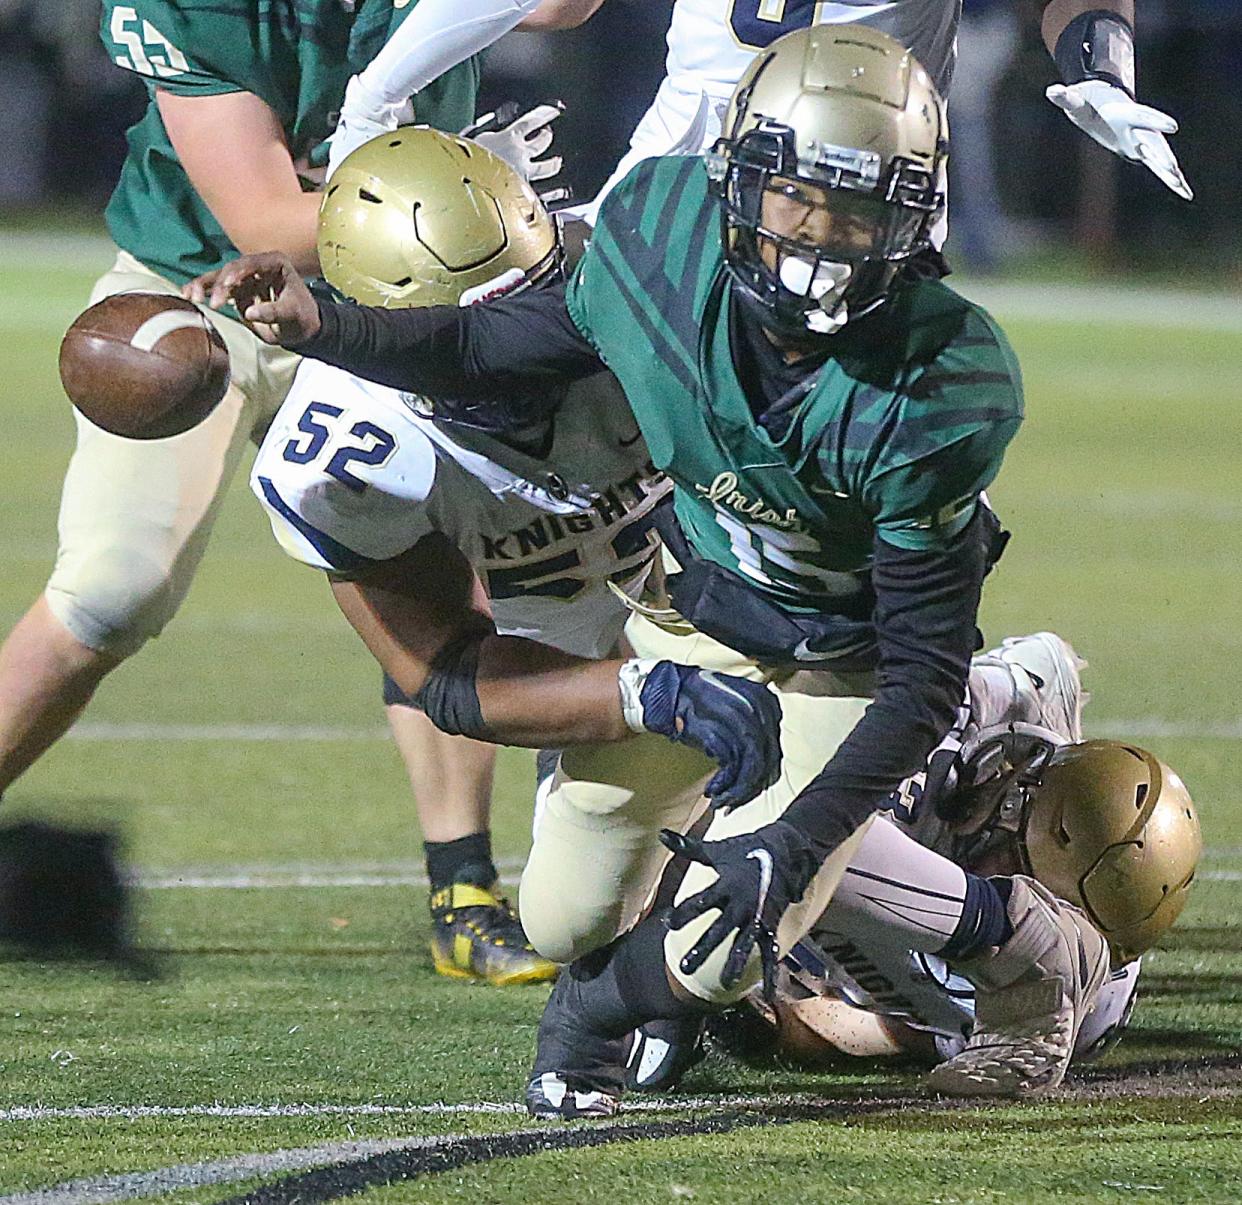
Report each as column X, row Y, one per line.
column 144, row 365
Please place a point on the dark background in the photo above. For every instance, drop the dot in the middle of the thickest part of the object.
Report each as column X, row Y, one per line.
column 1028, row 187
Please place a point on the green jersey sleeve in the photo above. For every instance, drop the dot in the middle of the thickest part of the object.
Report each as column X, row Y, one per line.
column 946, row 437
column 175, row 45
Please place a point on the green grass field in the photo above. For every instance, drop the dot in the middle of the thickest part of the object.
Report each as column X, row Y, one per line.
column 299, row 1025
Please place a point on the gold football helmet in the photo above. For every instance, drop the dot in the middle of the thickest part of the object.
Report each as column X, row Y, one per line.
column 1112, row 828
column 418, row 217
column 1102, row 824
column 845, row 117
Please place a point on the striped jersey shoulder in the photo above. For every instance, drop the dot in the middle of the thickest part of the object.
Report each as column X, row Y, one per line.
column 962, row 368
column 660, row 223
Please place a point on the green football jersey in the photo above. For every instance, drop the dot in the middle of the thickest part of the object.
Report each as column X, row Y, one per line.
column 903, row 427
column 296, row 55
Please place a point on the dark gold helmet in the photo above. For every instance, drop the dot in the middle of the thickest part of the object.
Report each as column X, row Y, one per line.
column 418, row 217
column 845, row 116
column 1113, row 829
column 1102, row 824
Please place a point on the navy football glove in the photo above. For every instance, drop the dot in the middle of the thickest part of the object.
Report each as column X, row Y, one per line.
column 760, row 875
column 735, row 722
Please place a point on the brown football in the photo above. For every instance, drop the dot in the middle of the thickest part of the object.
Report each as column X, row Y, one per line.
column 144, row 365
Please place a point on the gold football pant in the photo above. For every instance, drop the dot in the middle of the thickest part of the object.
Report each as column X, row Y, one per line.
column 135, row 515
column 596, row 859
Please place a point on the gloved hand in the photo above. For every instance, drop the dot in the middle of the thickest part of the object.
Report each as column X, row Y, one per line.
column 735, row 722
column 1120, row 124
column 519, row 141
column 760, row 875
column 363, row 117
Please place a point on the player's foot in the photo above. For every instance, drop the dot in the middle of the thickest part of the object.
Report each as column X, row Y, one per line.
column 1051, row 668
column 1032, row 995
column 577, row 1072
column 661, row 1052
column 475, row 934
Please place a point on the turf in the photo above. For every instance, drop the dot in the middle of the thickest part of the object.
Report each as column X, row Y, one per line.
column 1122, row 491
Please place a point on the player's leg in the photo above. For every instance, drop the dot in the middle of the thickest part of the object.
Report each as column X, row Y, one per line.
column 46, row 679
column 595, row 859
column 475, row 932
column 819, row 710
column 604, row 995
column 134, row 520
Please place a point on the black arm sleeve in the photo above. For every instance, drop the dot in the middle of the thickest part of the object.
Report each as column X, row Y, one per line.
column 926, row 607
column 493, row 351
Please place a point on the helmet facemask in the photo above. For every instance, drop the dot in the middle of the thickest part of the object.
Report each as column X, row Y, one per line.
column 987, row 811
column 814, row 240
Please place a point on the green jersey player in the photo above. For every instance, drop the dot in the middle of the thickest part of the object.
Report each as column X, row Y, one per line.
column 829, row 422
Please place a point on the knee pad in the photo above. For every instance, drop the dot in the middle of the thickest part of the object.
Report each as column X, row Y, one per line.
column 115, row 600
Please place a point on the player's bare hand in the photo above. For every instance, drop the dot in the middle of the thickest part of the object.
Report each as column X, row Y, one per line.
column 267, row 292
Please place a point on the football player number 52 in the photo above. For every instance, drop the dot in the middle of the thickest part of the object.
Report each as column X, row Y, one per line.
column 756, row 23
column 373, row 444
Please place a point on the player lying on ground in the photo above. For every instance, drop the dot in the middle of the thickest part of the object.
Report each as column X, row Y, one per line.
column 423, row 527
column 829, row 422
column 239, row 97
column 710, row 44
column 1011, row 790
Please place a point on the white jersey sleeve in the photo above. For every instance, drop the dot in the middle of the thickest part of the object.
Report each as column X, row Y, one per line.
column 344, row 473
column 436, row 36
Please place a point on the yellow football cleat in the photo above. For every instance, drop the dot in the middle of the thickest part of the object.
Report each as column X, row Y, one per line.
column 477, row 935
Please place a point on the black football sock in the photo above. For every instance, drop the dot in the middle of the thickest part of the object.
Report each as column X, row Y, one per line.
column 465, row 860
column 985, row 919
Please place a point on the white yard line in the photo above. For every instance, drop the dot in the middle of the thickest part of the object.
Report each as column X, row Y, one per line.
column 129, row 1186
column 1153, row 726
column 1104, row 305
column 248, row 878
column 241, row 882
column 1123, row 303
column 674, row 1104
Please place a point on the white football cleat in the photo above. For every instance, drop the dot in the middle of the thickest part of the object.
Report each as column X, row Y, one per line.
column 1032, row 995
column 1050, row 669
column 552, row 1095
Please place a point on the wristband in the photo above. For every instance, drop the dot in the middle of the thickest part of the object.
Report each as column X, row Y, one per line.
column 1097, row 45
column 631, row 678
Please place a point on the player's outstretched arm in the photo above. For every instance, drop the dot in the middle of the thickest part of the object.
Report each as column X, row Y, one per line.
column 498, row 352
column 234, row 152
column 424, row 617
column 1092, row 42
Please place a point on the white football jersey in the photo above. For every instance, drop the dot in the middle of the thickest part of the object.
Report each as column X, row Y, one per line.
column 350, row 474
column 712, row 42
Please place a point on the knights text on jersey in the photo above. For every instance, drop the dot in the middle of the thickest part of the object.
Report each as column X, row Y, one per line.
column 295, row 55
column 351, row 475
column 712, row 42
column 904, row 426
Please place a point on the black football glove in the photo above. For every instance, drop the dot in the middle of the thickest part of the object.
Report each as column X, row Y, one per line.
column 735, row 722
column 760, row 875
